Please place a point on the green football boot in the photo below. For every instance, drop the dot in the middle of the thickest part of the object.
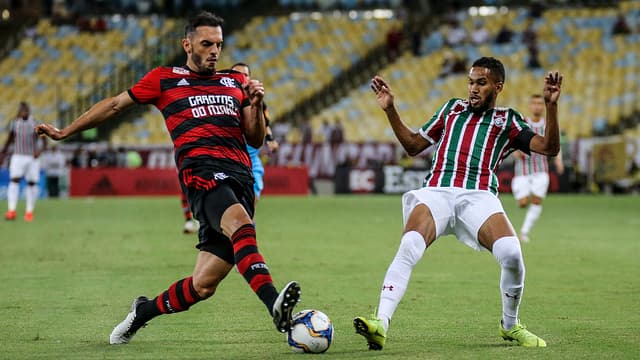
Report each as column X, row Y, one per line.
column 372, row 330
column 523, row 336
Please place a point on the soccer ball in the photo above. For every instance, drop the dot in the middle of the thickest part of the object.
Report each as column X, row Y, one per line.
column 311, row 332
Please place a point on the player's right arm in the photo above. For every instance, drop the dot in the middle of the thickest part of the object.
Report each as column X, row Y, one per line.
column 412, row 142
column 96, row 115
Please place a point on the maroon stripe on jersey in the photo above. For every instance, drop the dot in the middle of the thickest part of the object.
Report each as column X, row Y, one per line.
column 465, row 148
column 218, row 152
column 442, row 151
column 485, row 176
column 160, row 304
column 207, row 130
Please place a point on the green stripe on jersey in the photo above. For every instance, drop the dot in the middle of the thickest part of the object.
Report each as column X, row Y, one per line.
column 479, row 147
column 453, row 146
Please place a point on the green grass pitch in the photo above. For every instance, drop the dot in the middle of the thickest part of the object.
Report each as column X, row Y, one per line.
column 70, row 276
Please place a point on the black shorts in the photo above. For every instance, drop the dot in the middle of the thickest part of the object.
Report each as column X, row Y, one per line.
column 208, row 206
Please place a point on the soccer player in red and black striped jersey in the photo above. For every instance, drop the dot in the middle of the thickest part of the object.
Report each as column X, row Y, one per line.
column 210, row 117
column 459, row 197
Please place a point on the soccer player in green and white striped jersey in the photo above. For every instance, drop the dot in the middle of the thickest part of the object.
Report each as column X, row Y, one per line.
column 471, row 136
column 531, row 172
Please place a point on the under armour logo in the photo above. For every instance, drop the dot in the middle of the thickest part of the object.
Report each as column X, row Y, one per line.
column 514, row 297
column 385, row 287
column 220, row 176
column 228, row 82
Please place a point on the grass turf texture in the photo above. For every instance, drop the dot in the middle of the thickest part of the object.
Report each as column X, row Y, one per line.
column 70, row 276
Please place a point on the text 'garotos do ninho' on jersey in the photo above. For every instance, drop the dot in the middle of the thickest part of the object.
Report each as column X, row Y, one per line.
column 208, row 105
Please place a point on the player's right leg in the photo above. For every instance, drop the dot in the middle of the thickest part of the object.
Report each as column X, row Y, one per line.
column 420, row 226
column 13, row 192
column 209, row 271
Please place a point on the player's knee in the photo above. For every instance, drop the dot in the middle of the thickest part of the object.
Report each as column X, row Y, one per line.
column 508, row 253
column 523, row 203
column 536, row 201
column 206, row 287
column 31, row 183
column 15, row 180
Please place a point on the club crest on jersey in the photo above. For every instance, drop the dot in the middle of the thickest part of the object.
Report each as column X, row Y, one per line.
column 180, row 71
column 228, row 82
column 499, row 121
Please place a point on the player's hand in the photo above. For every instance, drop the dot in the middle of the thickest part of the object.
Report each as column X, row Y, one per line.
column 255, row 90
column 49, row 130
column 383, row 92
column 273, row 145
column 552, row 87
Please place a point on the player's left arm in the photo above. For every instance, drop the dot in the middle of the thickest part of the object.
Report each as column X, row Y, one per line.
column 253, row 115
column 549, row 144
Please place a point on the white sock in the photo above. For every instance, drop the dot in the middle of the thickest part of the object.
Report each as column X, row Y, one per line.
column 31, row 194
column 412, row 246
column 13, row 191
column 533, row 213
column 508, row 253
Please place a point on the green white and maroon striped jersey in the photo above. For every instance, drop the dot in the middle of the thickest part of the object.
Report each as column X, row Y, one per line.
column 470, row 147
column 534, row 163
column 25, row 141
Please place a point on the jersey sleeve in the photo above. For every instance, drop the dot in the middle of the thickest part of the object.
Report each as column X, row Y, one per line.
column 147, row 89
column 520, row 133
column 434, row 128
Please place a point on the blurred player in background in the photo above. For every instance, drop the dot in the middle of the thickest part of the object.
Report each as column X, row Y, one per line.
column 190, row 224
column 24, row 162
column 254, row 153
column 531, row 174
column 210, row 116
column 460, row 194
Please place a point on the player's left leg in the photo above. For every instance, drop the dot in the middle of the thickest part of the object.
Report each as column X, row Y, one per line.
column 498, row 236
column 32, row 190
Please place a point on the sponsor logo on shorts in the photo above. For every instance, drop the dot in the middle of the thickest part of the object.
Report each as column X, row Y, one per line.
column 220, row 176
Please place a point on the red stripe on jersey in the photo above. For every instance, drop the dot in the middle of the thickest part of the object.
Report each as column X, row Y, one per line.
column 442, row 151
column 219, row 152
column 465, row 149
column 485, row 175
column 207, row 130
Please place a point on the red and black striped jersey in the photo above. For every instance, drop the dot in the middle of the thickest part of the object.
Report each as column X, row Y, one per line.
column 203, row 114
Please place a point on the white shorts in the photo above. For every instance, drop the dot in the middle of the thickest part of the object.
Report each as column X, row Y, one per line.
column 24, row 166
column 534, row 184
column 455, row 211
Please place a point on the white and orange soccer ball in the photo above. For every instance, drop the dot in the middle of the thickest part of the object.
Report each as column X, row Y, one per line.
column 311, row 332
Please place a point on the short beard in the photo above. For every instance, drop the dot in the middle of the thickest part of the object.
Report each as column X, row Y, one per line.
column 197, row 59
column 484, row 106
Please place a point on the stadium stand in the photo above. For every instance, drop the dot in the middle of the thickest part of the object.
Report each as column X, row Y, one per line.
column 291, row 56
column 601, row 89
column 60, row 64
